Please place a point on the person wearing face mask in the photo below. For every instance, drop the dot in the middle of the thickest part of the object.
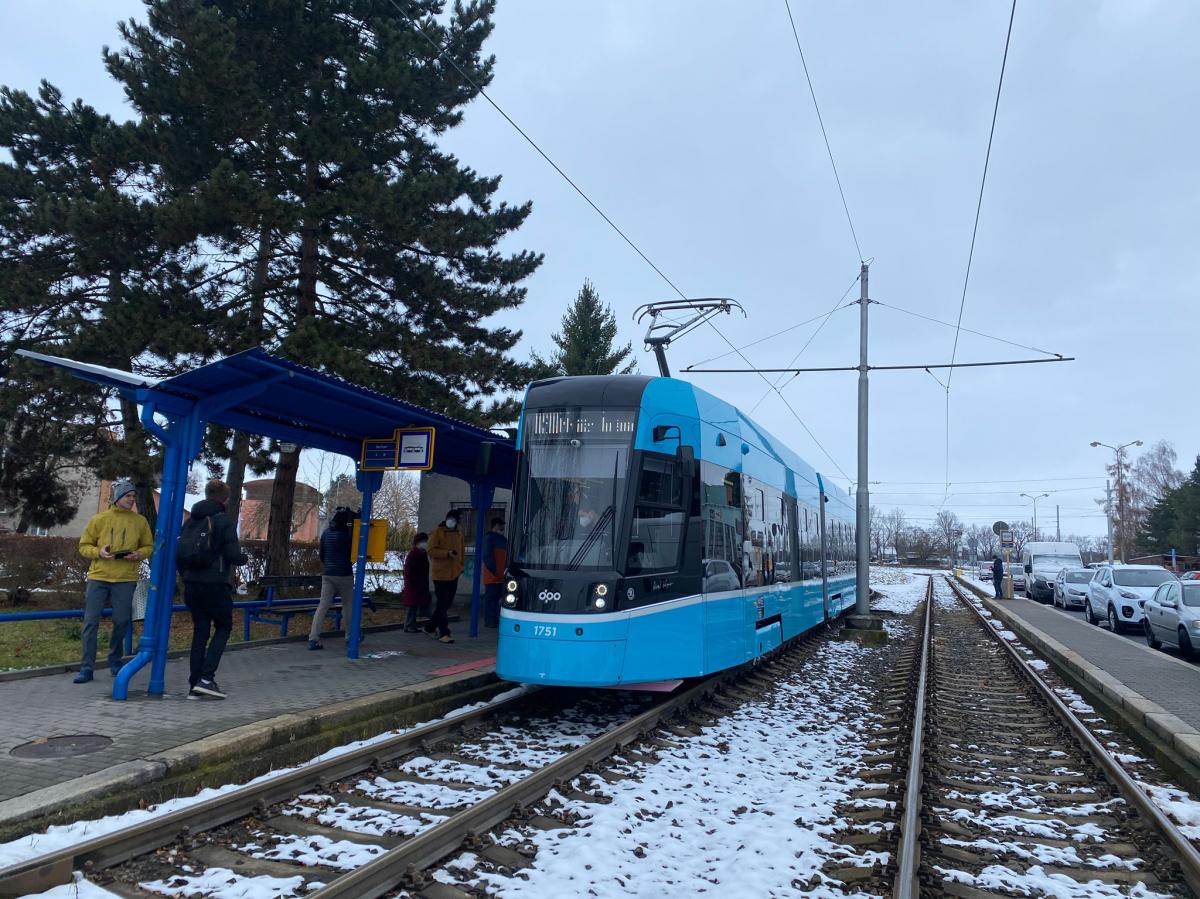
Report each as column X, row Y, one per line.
column 446, row 561
column 415, row 594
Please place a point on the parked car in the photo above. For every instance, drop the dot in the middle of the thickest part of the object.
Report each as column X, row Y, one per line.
column 1018, row 576
column 1190, row 576
column 1070, row 587
column 1041, row 561
column 1117, row 593
column 984, row 571
column 1173, row 616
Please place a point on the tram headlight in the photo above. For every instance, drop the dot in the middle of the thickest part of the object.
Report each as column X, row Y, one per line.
column 599, row 596
column 512, row 586
column 510, row 599
column 600, row 602
column 602, row 589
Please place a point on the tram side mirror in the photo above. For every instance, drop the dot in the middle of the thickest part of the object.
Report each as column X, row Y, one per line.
column 1029, row 569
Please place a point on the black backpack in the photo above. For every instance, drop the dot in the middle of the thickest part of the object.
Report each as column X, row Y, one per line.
column 196, row 549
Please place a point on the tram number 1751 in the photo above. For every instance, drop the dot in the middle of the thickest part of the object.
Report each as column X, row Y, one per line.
column 545, row 630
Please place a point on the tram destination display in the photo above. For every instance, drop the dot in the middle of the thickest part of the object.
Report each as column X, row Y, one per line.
column 581, row 422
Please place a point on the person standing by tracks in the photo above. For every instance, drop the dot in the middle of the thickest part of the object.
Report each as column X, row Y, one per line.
column 446, row 555
column 207, row 552
column 998, row 575
column 495, row 563
column 337, row 571
column 415, row 595
column 116, row 541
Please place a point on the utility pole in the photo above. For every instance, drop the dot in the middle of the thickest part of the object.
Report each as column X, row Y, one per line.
column 862, row 602
column 1108, row 517
column 1057, row 524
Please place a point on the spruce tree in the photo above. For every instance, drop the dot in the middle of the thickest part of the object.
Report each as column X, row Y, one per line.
column 585, row 345
column 304, row 137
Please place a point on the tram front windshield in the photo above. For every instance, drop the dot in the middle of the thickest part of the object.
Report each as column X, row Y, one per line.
column 573, row 497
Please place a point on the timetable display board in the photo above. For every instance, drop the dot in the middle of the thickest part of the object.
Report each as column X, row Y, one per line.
column 554, row 423
column 408, row 449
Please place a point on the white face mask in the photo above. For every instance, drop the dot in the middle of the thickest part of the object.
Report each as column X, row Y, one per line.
column 422, row 545
column 451, row 523
column 584, row 520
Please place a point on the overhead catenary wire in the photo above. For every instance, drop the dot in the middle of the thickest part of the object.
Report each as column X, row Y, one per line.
column 443, row 53
column 938, row 321
column 821, row 121
column 975, row 228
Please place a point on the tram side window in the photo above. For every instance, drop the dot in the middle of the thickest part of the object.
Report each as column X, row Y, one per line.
column 773, row 545
column 721, row 504
column 786, row 563
column 810, row 542
column 659, row 517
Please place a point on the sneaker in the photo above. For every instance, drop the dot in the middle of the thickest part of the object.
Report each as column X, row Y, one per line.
column 82, row 677
column 446, row 638
column 207, row 687
column 315, row 644
column 429, row 633
column 192, row 694
column 412, row 630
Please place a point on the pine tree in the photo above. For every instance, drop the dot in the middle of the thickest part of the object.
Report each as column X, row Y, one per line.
column 303, row 136
column 1174, row 521
column 87, row 271
column 585, row 346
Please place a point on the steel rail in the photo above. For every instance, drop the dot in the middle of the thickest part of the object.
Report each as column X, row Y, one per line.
column 54, row 868
column 382, row 874
column 908, row 849
column 1185, row 852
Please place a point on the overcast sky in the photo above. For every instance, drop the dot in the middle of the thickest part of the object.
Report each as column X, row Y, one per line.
column 691, row 126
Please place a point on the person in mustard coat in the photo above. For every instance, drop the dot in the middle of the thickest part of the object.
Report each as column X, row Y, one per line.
column 116, row 541
column 446, row 563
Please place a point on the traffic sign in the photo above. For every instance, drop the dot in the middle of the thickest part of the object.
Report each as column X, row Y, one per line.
column 416, row 448
column 1006, row 540
column 999, row 526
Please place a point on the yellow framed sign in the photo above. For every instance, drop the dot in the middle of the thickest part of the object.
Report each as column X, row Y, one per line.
column 414, row 448
column 379, row 454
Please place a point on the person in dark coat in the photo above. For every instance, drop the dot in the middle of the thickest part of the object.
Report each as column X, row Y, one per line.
column 208, row 592
column 998, row 575
column 337, row 571
column 415, row 595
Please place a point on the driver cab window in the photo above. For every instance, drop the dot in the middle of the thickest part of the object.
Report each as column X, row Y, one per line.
column 656, row 537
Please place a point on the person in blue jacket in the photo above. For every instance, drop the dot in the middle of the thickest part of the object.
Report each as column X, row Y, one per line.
column 337, row 575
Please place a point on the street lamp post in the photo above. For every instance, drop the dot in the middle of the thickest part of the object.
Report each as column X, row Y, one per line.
column 1035, row 499
column 1117, row 450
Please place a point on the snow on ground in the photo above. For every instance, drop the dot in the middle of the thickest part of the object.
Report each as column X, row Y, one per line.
column 221, row 883
column 79, row 888
column 343, row 855
column 745, row 809
column 1039, row 882
column 65, row 835
column 901, row 589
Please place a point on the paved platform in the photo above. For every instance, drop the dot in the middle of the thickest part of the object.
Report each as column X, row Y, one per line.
column 262, row 684
column 1161, row 676
column 1155, row 691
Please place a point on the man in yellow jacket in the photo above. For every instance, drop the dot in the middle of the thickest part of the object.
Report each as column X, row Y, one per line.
column 446, row 563
column 116, row 541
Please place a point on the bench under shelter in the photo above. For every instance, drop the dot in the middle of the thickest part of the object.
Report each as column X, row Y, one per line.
column 259, row 393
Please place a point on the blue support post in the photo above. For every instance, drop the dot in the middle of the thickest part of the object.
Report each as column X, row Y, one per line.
column 368, row 482
column 182, row 443
column 481, row 502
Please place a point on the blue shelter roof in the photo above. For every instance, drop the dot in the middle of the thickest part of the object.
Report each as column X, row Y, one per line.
column 305, row 406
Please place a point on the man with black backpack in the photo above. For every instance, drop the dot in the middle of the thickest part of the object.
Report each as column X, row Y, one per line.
column 205, row 556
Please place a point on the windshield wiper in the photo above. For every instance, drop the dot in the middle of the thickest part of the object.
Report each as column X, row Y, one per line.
column 592, row 537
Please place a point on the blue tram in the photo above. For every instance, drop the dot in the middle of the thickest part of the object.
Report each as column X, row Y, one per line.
column 657, row 534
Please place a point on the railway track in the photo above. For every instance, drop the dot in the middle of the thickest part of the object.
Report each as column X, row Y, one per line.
column 1006, row 792
column 371, row 820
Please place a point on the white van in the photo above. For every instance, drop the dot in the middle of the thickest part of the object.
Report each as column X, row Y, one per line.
column 1042, row 561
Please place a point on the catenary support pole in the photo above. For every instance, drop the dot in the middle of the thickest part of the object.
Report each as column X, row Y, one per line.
column 862, row 595
column 1057, row 523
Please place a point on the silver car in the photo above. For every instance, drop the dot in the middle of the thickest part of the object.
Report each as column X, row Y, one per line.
column 1070, row 587
column 1172, row 615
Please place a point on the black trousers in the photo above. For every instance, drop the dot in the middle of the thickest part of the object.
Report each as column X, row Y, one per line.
column 211, row 606
column 999, row 582
column 444, row 591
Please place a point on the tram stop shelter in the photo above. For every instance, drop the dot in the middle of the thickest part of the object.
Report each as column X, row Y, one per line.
column 259, row 393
